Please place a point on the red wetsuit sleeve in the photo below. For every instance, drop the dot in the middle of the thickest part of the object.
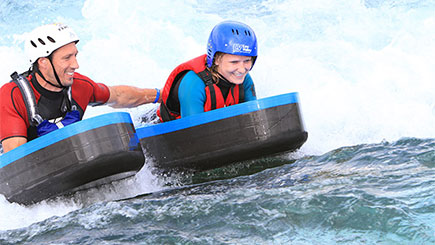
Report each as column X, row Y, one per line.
column 85, row 91
column 13, row 113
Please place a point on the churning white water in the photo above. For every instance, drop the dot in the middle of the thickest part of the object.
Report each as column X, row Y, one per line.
column 364, row 70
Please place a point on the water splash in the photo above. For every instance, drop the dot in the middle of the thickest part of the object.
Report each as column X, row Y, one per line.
column 364, row 71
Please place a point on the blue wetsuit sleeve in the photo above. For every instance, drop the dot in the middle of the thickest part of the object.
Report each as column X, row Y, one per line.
column 248, row 86
column 191, row 94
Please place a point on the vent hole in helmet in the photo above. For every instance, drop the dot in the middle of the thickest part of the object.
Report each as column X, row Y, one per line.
column 249, row 33
column 51, row 39
column 237, row 31
column 233, row 31
column 33, row 44
column 40, row 40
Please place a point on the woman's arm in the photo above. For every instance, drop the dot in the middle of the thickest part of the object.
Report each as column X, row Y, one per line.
column 248, row 86
column 191, row 94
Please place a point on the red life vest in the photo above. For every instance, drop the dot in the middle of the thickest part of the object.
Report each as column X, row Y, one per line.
column 170, row 106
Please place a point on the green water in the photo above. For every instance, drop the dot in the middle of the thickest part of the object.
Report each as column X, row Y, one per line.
column 365, row 194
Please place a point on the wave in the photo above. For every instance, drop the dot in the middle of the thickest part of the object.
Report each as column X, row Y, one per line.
column 363, row 70
column 367, row 193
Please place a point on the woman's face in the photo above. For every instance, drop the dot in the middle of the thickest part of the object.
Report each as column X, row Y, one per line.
column 234, row 67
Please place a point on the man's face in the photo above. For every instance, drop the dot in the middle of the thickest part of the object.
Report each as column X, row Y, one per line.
column 64, row 60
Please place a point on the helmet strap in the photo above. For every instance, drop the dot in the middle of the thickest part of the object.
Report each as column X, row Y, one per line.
column 55, row 75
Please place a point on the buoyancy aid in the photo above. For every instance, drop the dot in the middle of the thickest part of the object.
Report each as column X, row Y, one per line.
column 29, row 99
column 170, row 107
column 42, row 125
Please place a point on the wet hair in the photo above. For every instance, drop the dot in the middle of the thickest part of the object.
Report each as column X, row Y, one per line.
column 214, row 68
column 35, row 65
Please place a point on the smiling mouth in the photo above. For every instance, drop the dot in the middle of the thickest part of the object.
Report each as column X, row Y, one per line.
column 239, row 75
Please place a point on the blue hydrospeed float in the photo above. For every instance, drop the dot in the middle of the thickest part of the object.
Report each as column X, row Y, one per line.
column 85, row 154
column 220, row 137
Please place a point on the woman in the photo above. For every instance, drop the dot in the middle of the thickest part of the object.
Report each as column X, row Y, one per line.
column 217, row 79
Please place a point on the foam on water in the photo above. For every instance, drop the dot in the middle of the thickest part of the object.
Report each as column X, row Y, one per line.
column 364, row 69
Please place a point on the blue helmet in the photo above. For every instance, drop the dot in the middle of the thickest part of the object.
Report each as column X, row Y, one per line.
column 231, row 37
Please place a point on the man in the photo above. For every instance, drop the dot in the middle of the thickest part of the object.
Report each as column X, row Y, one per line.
column 61, row 95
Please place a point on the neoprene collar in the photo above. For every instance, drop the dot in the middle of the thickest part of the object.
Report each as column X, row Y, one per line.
column 43, row 91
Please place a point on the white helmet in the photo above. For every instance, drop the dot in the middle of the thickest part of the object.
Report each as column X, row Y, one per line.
column 44, row 40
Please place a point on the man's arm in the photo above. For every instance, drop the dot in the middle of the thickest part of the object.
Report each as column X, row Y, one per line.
column 13, row 127
column 12, row 143
column 124, row 96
